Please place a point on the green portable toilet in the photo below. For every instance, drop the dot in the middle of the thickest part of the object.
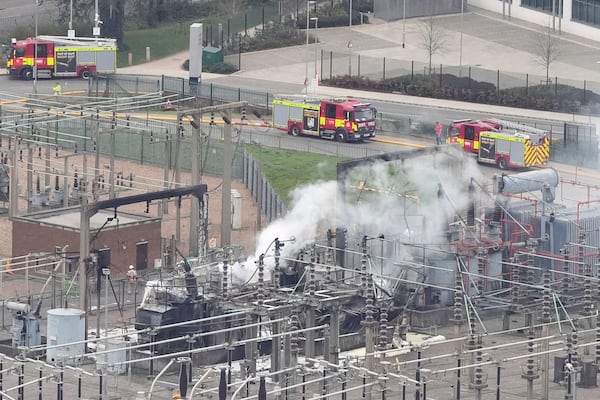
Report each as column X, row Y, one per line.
column 212, row 56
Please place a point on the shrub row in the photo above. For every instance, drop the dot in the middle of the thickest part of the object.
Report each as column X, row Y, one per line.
column 560, row 98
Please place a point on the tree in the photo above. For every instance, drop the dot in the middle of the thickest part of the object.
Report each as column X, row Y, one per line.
column 111, row 13
column 546, row 50
column 434, row 38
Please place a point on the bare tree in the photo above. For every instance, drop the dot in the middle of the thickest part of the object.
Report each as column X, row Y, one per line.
column 434, row 38
column 546, row 50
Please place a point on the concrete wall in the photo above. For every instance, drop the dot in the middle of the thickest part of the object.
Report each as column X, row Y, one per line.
column 31, row 237
column 392, row 10
column 516, row 11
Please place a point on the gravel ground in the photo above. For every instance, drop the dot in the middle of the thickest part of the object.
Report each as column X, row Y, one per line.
column 143, row 177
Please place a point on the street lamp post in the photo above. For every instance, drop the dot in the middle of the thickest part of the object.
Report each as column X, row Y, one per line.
column 96, row 19
column 308, row 4
column 403, row 23
column 316, row 19
column 462, row 12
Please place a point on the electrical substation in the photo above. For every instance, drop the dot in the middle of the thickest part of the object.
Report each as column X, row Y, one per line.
column 414, row 275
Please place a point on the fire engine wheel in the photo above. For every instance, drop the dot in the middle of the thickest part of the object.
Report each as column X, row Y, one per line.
column 85, row 74
column 27, row 73
column 294, row 130
column 501, row 163
column 340, row 136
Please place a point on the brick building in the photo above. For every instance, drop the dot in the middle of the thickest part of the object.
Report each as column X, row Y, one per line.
column 129, row 239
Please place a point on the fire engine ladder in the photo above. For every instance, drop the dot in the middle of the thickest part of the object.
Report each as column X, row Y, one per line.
column 302, row 98
column 519, row 127
column 79, row 41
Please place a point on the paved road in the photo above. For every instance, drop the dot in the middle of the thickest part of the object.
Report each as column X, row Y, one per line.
column 488, row 42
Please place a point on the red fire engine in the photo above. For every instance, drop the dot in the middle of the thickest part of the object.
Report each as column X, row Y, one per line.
column 466, row 132
column 340, row 119
column 503, row 143
column 58, row 56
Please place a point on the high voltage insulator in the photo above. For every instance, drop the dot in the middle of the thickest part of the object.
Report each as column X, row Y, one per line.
column 20, row 155
column 39, row 152
column 151, row 137
column 56, row 150
column 94, row 145
column 244, row 114
column 130, row 180
column 180, row 128
column 212, row 118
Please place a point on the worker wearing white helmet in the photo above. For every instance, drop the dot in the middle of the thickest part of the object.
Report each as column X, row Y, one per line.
column 132, row 275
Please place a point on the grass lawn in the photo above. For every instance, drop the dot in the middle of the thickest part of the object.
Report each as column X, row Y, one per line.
column 287, row 169
column 162, row 41
column 169, row 39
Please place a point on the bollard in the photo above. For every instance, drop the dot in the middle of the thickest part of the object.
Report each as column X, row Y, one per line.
column 223, row 385
column 147, row 53
column 262, row 389
column 130, row 58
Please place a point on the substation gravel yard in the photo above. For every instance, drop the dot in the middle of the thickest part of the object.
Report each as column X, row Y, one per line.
column 145, row 178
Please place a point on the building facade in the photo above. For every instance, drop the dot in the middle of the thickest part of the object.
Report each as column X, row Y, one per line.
column 131, row 239
column 393, row 10
column 577, row 17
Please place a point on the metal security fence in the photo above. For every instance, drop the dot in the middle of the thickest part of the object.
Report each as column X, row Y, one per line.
column 571, row 143
column 263, row 193
column 332, row 64
column 578, row 145
column 124, row 85
column 130, row 85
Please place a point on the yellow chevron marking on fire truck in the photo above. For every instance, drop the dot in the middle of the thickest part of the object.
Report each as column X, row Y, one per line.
column 537, row 154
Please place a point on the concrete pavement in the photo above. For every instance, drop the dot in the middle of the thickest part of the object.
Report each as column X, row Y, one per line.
column 488, row 41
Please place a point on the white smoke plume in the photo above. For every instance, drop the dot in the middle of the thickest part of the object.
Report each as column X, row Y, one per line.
column 395, row 195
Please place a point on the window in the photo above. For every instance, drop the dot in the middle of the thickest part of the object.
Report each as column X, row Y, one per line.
column 586, row 11
column 330, row 111
column 469, row 133
column 544, row 5
column 42, row 51
column 453, row 131
column 17, row 53
column 364, row 114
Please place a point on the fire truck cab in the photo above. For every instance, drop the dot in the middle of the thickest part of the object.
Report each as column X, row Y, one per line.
column 505, row 144
column 466, row 132
column 58, row 56
column 342, row 120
